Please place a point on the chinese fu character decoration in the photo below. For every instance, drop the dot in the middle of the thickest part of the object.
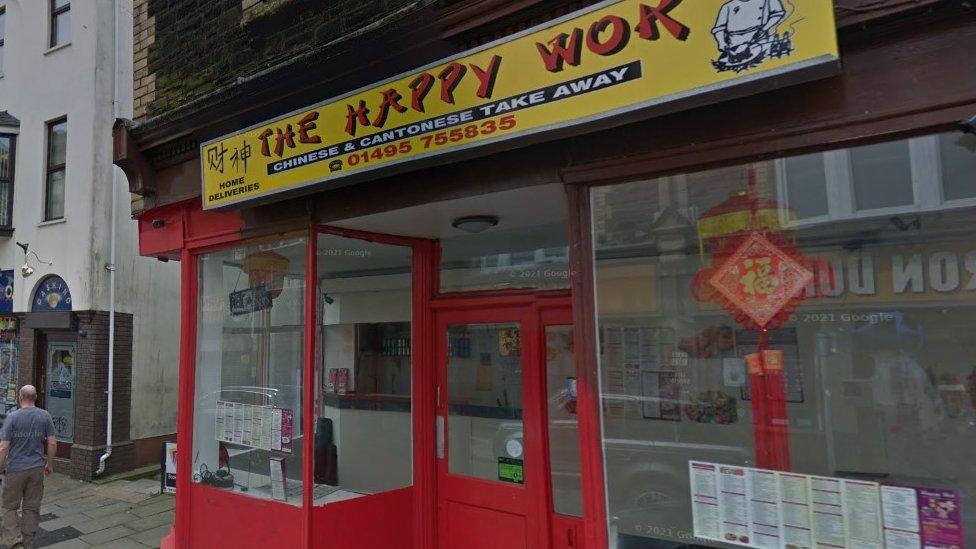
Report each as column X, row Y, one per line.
column 759, row 277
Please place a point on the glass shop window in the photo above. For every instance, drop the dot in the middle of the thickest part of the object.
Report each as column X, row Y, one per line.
column 527, row 249
column 958, row 165
column 767, row 383
column 363, row 441
column 247, row 422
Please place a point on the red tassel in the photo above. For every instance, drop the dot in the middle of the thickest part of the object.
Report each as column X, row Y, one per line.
column 777, row 414
column 760, row 422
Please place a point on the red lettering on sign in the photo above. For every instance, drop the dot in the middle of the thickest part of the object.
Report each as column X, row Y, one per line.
column 265, row 147
column 282, row 138
column 391, row 100
column 619, row 36
column 650, row 17
column 487, row 76
column 450, row 77
column 565, row 49
column 420, row 87
column 307, row 124
column 354, row 116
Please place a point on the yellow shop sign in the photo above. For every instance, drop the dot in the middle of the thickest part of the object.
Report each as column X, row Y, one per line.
column 608, row 64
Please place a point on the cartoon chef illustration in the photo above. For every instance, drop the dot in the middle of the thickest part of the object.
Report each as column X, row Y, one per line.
column 746, row 33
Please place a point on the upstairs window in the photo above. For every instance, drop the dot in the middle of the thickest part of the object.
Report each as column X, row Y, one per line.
column 57, row 141
column 60, row 23
column 8, row 145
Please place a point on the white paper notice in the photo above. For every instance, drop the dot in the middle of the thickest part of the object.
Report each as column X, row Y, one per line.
column 276, row 429
column 862, row 501
column 794, row 493
column 734, row 505
column 238, row 424
column 704, row 499
column 896, row 539
column 828, row 512
column 764, row 520
column 900, row 506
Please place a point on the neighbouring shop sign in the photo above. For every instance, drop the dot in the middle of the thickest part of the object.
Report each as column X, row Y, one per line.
column 583, row 70
column 52, row 294
column 6, row 291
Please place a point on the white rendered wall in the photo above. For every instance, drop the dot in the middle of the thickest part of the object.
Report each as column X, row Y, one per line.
column 39, row 85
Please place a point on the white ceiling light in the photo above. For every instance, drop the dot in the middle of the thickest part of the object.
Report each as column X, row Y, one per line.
column 475, row 224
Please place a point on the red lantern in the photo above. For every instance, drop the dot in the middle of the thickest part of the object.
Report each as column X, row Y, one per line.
column 267, row 268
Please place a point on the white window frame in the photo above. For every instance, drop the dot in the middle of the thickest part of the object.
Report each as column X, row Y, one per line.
column 927, row 186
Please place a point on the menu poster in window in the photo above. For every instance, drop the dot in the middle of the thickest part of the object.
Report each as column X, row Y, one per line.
column 771, row 509
column 922, row 517
column 828, row 512
column 661, row 397
column 287, row 429
column 940, row 514
column 704, row 499
column 733, row 505
column 863, row 514
column 794, row 500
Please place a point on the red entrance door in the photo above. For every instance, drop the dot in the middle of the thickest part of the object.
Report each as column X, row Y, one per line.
column 492, row 466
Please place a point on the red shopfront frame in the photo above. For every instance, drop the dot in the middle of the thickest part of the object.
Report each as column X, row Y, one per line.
column 205, row 514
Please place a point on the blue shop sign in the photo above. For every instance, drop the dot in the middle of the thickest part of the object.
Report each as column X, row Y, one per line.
column 52, row 294
column 7, row 293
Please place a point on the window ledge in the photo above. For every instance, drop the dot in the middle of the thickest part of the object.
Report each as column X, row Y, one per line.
column 52, row 222
column 56, row 48
column 6, row 232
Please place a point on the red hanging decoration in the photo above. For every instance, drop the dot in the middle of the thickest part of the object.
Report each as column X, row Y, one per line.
column 759, row 277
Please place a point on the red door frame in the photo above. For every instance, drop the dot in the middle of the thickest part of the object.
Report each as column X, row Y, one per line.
column 426, row 262
column 534, row 310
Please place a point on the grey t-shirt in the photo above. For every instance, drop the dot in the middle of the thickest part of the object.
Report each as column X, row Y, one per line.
column 27, row 430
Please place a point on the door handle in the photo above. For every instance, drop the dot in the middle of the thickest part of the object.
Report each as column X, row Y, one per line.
column 440, row 437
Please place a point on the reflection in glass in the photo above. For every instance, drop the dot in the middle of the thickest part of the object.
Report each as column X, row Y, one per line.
column 54, row 200
column 363, row 441
column 247, row 423
column 484, row 377
column 882, row 175
column 805, row 185
column 57, row 140
column 958, row 165
column 564, row 449
column 877, row 378
column 61, row 28
column 526, row 257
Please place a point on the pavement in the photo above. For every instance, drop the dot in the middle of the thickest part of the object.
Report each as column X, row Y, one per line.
column 119, row 514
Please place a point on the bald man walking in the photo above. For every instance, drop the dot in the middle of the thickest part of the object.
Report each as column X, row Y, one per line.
column 26, row 433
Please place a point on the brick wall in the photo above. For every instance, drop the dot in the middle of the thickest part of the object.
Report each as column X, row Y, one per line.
column 90, row 386
column 186, row 49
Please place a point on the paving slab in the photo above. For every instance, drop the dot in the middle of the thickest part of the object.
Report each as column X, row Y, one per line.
column 159, row 505
column 152, row 521
column 70, row 544
column 123, row 543
column 88, row 525
column 111, row 509
column 106, row 535
column 151, row 537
